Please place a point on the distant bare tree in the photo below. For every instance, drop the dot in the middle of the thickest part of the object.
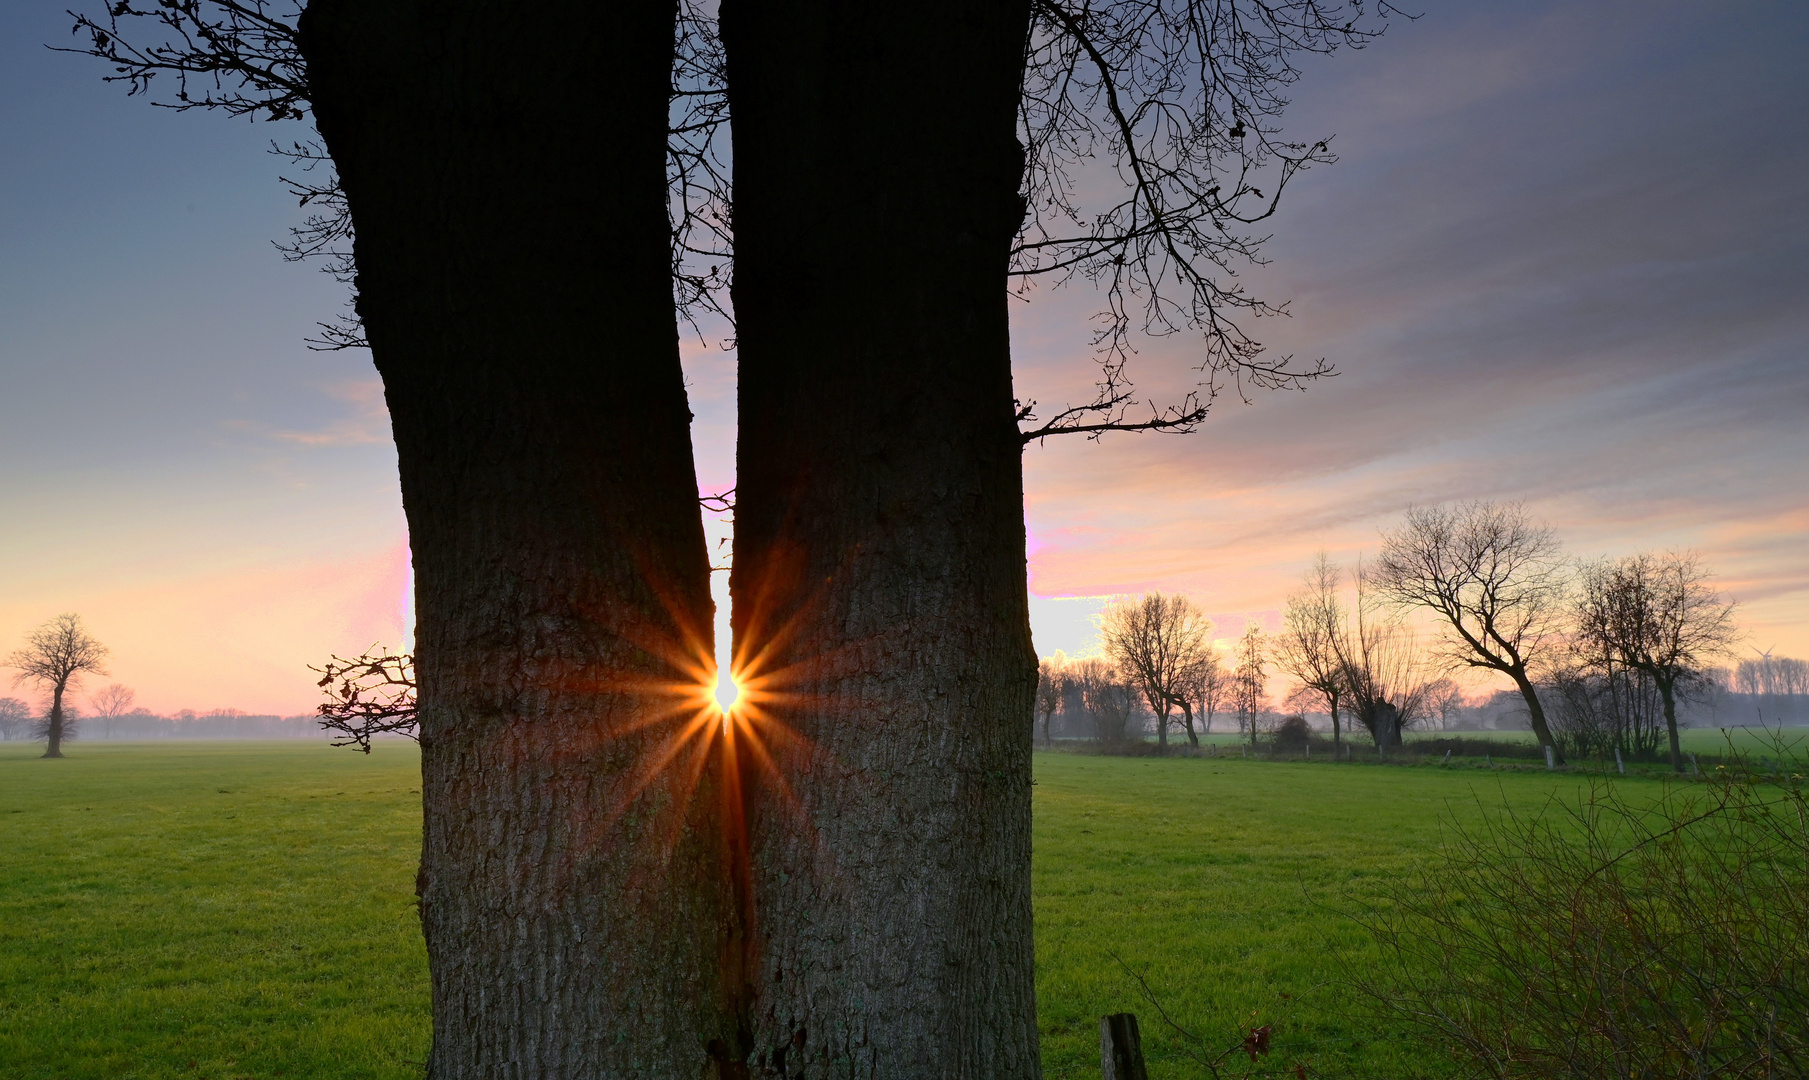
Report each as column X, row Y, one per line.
column 15, row 719
column 1659, row 615
column 1158, row 640
column 56, row 656
column 1495, row 577
column 1382, row 669
column 1443, row 699
column 1308, row 647
column 111, row 704
column 1206, row 685
column 1051, row 688
column 1109, row 697
column 368, row 695
column 1249, row 682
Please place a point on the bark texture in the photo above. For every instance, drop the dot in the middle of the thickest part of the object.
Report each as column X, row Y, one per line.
column 879, row 578
column 507, row 187
column 53, row 730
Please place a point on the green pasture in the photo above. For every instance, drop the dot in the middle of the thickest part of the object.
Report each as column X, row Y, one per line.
column 243, row 909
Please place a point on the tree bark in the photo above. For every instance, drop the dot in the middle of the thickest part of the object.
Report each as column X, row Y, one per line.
column 53, row 734
column 1536, row 713
column 513, row 278
column 1667, row 692
column 879, row 575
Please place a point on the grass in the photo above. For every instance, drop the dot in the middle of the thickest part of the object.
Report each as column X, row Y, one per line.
column 242, row 909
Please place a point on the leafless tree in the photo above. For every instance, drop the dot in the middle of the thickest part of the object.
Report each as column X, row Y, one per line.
column 15, row 719
column 55, row 657
column 368, row 695
column 1496, row 579
column 1309, row 646
column 1206, row 685
column 110, row 704
column 1051, row 689
column 1181, row 99
column 1444, row 698
column 1249, row 681
column 1158, row 641
column 1382, row 668
column 1656, row 614
column 1109, row 697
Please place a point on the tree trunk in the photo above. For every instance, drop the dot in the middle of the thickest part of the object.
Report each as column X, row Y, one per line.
column 1536, row 711
column 1161, row 730
column 1187, row 718
column 513, row 279
column 879, row 575
column 1667, row 692
column 54, row 730
column 1337, row 737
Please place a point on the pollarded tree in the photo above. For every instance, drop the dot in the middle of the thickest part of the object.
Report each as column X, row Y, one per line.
column 1383, row 672
column 1495, row 578
column 1656, row 614
column 1161, row 642
column 55, row 657
column 1310, row 644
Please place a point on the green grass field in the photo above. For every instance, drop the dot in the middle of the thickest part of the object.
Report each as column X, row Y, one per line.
column 245, row 909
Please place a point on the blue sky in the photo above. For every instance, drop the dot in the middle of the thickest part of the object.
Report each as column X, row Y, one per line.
column 1564, row 258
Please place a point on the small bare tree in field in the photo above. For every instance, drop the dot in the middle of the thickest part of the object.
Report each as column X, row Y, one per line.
column 1443, row 699
column 368, row 695
column 1109, row 697
column 1310, row 644
column 1051, row 688
column 1158, row 640
column 111, row 704
column 55, row 657
column 15, row 719
column 1659, row 615
column 1495, row 578
column 1249, row 683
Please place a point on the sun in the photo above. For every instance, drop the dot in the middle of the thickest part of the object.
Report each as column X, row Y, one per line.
column 728, row 691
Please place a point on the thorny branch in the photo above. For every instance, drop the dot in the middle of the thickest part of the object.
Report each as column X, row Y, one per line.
column 368, row 695
column 1179, row 98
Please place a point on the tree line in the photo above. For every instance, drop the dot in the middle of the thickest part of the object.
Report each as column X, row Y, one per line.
column 1602, row 653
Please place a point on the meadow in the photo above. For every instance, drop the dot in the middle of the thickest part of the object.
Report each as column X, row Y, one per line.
column 244, row 909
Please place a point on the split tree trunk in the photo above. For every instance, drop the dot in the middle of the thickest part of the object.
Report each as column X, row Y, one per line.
column 513, row 275
column 879, row 576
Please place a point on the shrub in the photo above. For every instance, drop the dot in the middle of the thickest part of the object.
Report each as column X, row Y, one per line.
column 1609, row 937
column 1292, row 734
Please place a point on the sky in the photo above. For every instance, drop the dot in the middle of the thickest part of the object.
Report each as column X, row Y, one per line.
column 1564, row 259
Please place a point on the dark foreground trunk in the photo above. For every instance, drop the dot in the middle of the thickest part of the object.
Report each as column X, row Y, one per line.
column 879, row 538
column 1667, row 691
column 53, row 728
column 1536, row 713
column 508, row 191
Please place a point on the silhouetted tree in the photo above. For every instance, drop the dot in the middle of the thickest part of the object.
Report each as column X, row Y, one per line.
column 1382, row 668
column 1159, row 641
column 514, row 277
column 1309, row 646
column 1206, row 685
column 15, row 719
column 1051, row 690
column 55, row 657
column 1656, row 614
column 1496, row 580
column 110, row 704
column 1250, row 679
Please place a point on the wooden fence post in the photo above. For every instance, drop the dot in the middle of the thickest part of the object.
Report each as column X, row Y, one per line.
column 1618, row 763
column 1120, row 1048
